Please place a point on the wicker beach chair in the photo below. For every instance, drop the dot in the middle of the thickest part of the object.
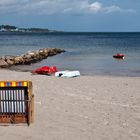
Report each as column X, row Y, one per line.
column 16, row 102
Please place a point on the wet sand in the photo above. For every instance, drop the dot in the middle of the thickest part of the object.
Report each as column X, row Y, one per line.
column 82, row 108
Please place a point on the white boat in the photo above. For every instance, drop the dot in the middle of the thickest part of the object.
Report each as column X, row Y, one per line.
column 67, row 74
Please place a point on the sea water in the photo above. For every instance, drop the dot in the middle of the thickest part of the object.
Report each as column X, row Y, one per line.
column 90, row 53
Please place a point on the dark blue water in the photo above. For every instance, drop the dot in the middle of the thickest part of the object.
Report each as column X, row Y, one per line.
column 91, row 53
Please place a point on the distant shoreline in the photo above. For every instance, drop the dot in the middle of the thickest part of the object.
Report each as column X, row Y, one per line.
column 65, row 32
column 10, row 28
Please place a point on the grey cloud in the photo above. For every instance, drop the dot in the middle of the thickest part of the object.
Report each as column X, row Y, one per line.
column 48, row 7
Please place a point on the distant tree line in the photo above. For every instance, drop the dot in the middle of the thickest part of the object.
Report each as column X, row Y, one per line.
column 8, row 27
column 14, row 28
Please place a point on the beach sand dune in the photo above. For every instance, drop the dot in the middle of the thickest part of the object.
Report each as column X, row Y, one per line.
column 82, row 108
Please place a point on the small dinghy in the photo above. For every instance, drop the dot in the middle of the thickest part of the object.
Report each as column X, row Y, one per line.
column 68, row 74
column 118, row 56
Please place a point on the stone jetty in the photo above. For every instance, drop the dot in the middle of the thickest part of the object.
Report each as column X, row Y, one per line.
column 29, row 57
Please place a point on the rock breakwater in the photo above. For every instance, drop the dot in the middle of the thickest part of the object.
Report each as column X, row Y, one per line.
column 29, row 57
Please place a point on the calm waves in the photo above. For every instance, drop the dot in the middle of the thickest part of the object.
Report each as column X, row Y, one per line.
column 91, row 53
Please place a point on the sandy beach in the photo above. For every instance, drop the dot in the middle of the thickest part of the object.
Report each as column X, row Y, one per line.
column 82, row 108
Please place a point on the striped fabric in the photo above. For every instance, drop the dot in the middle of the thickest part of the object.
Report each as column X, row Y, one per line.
column 13, row 83
column 12, row 101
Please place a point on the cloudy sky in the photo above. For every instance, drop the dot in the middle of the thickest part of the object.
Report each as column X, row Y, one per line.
column 72, row 15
